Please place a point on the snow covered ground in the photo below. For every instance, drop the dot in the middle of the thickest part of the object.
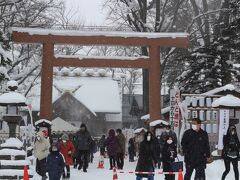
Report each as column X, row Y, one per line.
column 213, row 172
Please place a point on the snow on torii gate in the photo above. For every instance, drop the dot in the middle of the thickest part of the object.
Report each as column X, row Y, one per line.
column 48, row 38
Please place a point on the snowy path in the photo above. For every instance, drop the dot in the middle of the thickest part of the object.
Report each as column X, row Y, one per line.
column 214, row 172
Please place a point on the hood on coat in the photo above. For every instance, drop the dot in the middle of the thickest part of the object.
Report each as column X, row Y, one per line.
column 65, row 137
column 83, row 125
column 111, row 132
column 146, row 134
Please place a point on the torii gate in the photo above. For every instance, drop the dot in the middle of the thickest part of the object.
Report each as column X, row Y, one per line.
column 48, row 38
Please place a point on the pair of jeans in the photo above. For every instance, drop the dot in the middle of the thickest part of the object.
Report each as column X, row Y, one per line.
column 227, row 162
column 120, row 160
column 150, row 177
column 168, row 168
column 112, row 161
column 199, row 174
column 82, row 159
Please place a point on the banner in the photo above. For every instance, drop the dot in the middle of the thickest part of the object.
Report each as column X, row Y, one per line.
column 174, row 110
column 223, row 126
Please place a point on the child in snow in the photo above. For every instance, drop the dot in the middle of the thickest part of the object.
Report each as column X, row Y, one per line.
column 67, row 149
column 55, row 163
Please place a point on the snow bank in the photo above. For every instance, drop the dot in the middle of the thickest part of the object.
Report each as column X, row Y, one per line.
column 12, row 142
column 12, row 83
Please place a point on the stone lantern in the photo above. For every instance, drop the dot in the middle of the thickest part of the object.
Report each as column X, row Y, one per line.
column 12, row 101
column 12, row 155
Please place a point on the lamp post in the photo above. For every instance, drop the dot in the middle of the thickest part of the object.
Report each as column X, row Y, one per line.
column 12, row 101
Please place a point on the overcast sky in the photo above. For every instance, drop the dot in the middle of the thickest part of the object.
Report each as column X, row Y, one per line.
column 89, row 10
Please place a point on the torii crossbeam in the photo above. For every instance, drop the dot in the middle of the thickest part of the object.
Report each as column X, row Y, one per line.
column 48, row 38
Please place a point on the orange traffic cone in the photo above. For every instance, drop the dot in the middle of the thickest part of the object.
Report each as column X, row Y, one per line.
column 101, row 163
column 25, row 174
column 180, row 175
column 115, row 176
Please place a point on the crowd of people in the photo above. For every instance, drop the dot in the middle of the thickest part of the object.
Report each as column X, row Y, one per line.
column 152, row 150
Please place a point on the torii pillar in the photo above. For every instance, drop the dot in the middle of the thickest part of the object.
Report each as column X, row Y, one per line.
column 48, row 38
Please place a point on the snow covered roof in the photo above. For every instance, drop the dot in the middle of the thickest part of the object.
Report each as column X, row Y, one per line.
column 12, row 142
column 38, row 31
column 156, row 122
column 136, row 131
column 98, row 94
column 228, row 100
column 41, row 121
column 59, row 125
column 227, row 87
column 12, row 98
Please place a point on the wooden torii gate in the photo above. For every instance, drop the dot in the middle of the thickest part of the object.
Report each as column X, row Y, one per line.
column 48, row 38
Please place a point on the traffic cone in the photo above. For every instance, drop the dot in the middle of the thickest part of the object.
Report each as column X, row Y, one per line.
column 25, row 174
column 180, row 175
column 115, row 176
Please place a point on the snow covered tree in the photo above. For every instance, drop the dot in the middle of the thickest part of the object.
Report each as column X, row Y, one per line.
column 150, row 16
column 26, row 60
column 5, row 58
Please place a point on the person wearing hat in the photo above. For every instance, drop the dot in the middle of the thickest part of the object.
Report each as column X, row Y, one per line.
column 83, row 144
column 55, row 163
column 41, row 151
column 67, row 149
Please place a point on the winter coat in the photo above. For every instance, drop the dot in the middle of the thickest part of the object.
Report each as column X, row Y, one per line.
column 147, row 156
column 121, row 143
column 112, row 145
column 231, row 145
column 195, row 146
column 83, row 140
column 169, row 152
column 102, row 142
column 67, row 149
column 131, row 146
column 55, row 165
column 41, row 147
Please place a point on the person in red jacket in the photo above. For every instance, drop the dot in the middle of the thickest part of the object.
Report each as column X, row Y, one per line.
column 67, row 149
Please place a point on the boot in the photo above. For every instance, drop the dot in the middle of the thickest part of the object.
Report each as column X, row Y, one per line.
column 68, row 174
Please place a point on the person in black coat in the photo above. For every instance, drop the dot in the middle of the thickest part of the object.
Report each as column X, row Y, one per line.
column 83, row 145
column 131, row 150
column 196, row 150
column 147, row 156
column 55, row 164
column 231, row 148
column 169, row 153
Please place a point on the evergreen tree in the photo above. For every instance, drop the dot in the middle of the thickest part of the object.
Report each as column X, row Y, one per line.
column 5, row 58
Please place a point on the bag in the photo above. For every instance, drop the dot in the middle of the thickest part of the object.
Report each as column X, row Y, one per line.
column 177, row 166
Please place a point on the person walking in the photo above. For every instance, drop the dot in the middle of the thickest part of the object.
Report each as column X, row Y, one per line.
column 147, row 157
column 121, row 148
column 41, row 151
column 231, row 148
column 196, row 150
column 83, row 143
column 102, row 145
column 131, row 150
column 169, row 153
column 169, row 132
column 112, row 145
column 67, row 149
column 55, row 163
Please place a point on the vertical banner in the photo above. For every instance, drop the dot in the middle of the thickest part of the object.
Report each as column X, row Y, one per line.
column 174, row 110
column 223, row 126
